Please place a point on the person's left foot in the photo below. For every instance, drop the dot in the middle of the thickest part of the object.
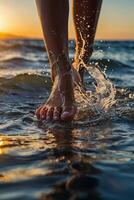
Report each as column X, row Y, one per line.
column 61, row 103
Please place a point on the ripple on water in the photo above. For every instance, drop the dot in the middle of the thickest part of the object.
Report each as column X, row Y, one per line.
column 90, row 158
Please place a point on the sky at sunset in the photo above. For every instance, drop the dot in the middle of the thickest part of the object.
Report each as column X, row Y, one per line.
column 20, row 17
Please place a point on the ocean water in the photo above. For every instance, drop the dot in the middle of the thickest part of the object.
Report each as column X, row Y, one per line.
column 90, row 158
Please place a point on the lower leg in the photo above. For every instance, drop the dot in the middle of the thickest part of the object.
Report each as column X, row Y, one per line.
column 54, row 20
column 85, row 14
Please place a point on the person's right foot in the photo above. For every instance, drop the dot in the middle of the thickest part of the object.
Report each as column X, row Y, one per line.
column 80, row 62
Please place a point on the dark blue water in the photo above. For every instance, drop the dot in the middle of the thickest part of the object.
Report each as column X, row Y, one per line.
column 85, row 159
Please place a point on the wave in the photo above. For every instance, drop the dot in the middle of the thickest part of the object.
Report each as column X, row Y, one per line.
column 20, row 60
column 21, row 45
column 101, row 62
column 112, row 63
column 26, row 82
column 16, row 59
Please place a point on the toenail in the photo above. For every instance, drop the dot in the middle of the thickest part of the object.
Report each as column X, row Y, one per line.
column 66, row 113
column 55, row 118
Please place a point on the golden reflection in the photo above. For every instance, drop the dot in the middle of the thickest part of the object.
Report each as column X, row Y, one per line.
column 22, row 174
column 3, row 143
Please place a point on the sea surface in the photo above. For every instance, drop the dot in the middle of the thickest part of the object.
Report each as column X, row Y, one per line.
column 90, row 158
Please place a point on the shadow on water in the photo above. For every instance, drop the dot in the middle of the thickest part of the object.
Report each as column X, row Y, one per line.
column 89, row 159
column 81, row 180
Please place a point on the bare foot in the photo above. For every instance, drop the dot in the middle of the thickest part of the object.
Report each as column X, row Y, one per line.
column 61, row 103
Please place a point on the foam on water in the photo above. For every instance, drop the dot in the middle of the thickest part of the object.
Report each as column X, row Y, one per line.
column 96, row 102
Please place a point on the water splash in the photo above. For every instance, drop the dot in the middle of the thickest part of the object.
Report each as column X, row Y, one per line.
column 103, row 97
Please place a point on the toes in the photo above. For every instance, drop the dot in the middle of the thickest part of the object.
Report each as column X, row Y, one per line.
column 43, row 113
column 37, row 112
column 49, row 114
column 57, row 113
column 68, row 113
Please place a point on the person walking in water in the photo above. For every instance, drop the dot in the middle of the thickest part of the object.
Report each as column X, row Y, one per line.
column 54, row 20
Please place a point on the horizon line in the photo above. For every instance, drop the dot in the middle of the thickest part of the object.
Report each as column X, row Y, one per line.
column 6, row 35
column 69, row 39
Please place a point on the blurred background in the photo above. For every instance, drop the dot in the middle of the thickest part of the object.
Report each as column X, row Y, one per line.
column 20, row 18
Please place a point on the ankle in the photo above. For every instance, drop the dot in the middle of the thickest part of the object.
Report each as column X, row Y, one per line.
column 59, row 65
column 84, row 54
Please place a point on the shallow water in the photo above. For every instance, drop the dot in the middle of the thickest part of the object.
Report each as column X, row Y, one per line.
column 91, row 158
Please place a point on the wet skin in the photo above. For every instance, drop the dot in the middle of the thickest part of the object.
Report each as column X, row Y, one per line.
column 61, row 103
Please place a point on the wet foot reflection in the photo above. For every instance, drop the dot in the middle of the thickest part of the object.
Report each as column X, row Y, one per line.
column 80, row 175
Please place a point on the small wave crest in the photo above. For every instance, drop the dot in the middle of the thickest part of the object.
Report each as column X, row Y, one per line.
column 26, row 82
column 22, row 45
